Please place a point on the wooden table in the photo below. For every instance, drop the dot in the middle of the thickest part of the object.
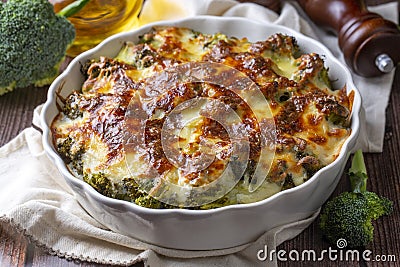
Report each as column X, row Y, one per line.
column 16, row 110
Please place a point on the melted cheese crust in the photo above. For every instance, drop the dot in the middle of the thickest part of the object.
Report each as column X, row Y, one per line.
column 311, row 119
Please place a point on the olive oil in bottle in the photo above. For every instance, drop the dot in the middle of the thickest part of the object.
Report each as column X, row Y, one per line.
column 100, row 19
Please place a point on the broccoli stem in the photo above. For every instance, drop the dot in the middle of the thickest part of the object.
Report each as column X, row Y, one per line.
column 72, row 8
column 358, row 173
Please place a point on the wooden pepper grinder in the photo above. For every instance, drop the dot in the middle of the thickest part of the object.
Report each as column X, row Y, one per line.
column 370, row 44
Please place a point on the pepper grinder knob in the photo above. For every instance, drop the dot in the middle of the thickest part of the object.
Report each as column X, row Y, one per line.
column 370, row 44
column 384, row 63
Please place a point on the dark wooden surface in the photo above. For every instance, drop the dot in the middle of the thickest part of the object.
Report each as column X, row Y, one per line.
column 16, row 110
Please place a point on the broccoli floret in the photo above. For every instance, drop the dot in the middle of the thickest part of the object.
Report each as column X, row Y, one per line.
column 149, row 202
column 350, row 214
column 130, row 191
column 335, row 112
column 323, row 77
column 33, row 43
column 337, row 118
column 311, row 164
column 214, row 39
column 100, row 183
column 71, row 152
column 311, row 69
column 378, row 206
column 71, row 107
column 282, row 49
column 277, row 47
column 141, row 56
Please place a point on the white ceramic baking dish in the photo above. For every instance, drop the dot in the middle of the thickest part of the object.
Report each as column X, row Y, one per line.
column 203, row 229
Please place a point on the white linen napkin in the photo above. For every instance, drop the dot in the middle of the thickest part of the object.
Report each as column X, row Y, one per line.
column 35, row 199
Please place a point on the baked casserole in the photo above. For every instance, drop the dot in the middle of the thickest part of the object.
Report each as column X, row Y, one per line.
column 310, row 119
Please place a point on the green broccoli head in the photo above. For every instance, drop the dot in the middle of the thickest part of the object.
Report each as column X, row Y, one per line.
column 33, row 42
column 378, row 206
column 350, row 214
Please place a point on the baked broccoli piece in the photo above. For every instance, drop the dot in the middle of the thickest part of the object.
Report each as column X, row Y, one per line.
column 335, row 112
column 323, row 77
column 283, row 50
column 339, row 115
column 71, row 152
column 71, row 107
column 141, row 56
column 130, row 191
column 100, row 183
column 349, row 215
column 311, row 164
column 277, row 47
column 33, row 42
column 311, row 69
column 149, row 202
